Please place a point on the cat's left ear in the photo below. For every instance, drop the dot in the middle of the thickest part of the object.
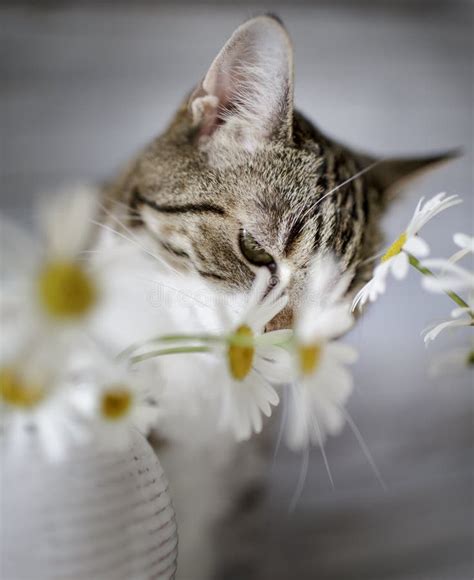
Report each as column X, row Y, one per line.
column 246, row 97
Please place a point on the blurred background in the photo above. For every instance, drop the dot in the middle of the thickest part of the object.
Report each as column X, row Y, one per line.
column 85, row 85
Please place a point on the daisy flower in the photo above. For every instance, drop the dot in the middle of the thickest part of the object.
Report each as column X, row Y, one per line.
column 250, row 360
column 116, row 398
column 451, row 278
column 36, row 404
column 46, row 285
column 466, row 245
column 322, row 383
column 396, row 259
column 460, row 317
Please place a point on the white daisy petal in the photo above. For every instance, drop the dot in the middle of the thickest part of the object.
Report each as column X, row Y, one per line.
column 446, row 283
column 39, row 401
column 263, row 398
column 276, row 371
column 66, row 221
column 329, row 417
column 459, row 255
column 330, row 323
column 17, row 249
column 275, row 337
column 312, row 412
column 261, row 298
column 338, row 382
column 265, row 388
column 326, row 283
column 464, row 241
column 399, row 266
column 460, row 311
column 362, row 296
column 244, row 401
column 435, row 205
column 261, row 317
column 245, row 392
column 450, row 276
column 256, row 418
column 374, row 287
column 343, row 353
column 433, row 333
column 417, row 246
column 298, row 416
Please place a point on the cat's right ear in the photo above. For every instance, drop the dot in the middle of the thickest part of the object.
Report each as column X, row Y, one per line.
column 246, row 97
column 392, row 175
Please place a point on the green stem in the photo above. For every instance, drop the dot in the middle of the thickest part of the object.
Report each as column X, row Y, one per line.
column 234, row 339
column 426, row 272
column 230, row 339
column 166, row 351
column 166, row 338
column 187, row 337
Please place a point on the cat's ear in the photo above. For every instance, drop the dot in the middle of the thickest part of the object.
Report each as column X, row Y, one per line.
column 246, row 96
column 392, row 175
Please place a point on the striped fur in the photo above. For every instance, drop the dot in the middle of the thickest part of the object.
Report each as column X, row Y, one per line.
column 218, row 169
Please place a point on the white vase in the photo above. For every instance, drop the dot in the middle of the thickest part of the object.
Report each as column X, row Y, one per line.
column 94, row 516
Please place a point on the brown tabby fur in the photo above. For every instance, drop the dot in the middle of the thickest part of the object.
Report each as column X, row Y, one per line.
column 194, row 200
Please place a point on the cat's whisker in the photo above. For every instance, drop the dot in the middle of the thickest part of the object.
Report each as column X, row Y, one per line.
column 372, row 258
column 323, row 451
column 136, row 244
column 364, row 447
column 167, row 286
column 121, row 224
column 301, row 480
column 281, row 428
column 342, row 184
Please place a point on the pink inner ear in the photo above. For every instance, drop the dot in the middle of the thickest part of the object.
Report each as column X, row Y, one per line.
column 210, row 122
column 220, row 84
column 247, row 91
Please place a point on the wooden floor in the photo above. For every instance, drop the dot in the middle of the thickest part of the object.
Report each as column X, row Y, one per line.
column 84, row 87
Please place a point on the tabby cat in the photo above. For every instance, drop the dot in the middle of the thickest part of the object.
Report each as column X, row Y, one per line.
column 241, row 180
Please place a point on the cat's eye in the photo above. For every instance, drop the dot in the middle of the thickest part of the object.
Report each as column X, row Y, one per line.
column 253, row 251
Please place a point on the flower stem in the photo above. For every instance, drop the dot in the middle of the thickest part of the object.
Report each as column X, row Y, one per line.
column 426, row 272
column 167, row 338
column 208, row 339
column 166, row 351
column 187, row 337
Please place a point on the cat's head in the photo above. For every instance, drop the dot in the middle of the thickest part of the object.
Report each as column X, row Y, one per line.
column 240, row 180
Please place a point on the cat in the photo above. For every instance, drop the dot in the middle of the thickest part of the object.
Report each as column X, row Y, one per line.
column 238, row 181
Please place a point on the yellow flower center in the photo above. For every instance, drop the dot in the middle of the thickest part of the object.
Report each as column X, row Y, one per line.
column 116, row 402
column 309, row 357
column 395, row 248
column 241, row 356
column 16, row 392
column 66, row 290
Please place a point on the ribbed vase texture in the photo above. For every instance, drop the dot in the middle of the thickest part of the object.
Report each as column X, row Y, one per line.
column 94, row 516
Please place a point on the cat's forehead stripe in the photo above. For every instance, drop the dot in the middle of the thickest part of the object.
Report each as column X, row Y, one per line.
column 203, row 207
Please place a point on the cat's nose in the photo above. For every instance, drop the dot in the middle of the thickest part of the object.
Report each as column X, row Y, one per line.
column 282, row 320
